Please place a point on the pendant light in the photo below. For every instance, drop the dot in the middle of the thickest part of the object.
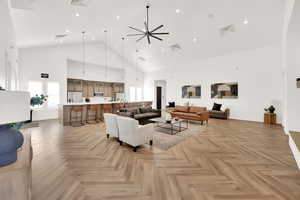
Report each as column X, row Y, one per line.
column 106, row 56
column 83, row 56
column 136, row 67
column 123, row 59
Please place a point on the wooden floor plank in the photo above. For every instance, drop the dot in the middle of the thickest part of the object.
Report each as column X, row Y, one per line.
column 231, row 160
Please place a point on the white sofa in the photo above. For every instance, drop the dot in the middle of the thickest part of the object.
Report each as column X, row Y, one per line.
column 111, row 125
column 131, row 133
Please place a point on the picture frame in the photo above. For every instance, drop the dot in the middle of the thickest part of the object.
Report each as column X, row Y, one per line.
column 224, row 90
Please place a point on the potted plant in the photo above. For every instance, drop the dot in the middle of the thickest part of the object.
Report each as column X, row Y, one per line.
column 271, row 109
column 36, row 101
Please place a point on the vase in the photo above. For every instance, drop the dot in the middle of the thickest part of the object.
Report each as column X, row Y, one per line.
column 10, row 141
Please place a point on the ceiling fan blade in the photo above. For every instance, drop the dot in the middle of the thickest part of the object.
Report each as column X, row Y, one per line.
column 141, row 38
column 136, row 34
column 136, row 29
column 156, row 37
column 148, row 37
column 160, row 33
column 159, row 27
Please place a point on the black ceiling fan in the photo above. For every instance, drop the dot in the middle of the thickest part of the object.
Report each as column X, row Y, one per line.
column 147, row 33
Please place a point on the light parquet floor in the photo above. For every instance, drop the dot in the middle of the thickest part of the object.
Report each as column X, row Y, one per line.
column 231, row 160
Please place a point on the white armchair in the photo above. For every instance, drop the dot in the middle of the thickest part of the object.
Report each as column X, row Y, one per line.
column 111, row 125
column 131, row 133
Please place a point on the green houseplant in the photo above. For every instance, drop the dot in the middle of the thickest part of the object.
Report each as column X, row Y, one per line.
column 271, row 109
column 38, row 100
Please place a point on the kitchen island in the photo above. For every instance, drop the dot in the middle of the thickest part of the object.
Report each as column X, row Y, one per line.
column 96, row 110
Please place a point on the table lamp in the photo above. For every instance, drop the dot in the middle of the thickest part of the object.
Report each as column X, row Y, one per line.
column 14, row 107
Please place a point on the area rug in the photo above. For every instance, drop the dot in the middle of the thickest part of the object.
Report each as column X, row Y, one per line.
column 165, row 141
column 30, row 125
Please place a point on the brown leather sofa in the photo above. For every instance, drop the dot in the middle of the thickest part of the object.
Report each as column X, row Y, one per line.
column 192, row 113
column 219, row 114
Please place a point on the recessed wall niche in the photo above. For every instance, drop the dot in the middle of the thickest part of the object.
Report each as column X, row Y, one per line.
column 191, row 92
column 224, row 91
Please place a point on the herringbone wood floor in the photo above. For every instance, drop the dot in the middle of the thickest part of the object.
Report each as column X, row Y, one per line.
column 231, row 160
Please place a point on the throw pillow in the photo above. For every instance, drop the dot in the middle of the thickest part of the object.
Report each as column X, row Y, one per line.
column 182, row 108
column 145, row 109
column 217, row 107
column 171, row 104
column 133, row 110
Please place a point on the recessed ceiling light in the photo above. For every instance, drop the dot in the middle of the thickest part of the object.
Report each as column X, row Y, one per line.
column 118, row 17
column 195, row 40
column 67, row 31
column 77, row 14
column 245, row 21
column 211, row 16
column 177, row 11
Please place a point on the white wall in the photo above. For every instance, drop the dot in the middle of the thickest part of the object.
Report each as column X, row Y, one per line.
column 293, row 69
column 94, row 72
column 54, row 61
column 258, row 72
column 9, row 73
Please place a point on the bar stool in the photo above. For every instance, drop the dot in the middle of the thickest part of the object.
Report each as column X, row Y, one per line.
column 94, row 109
column 76, row 110
column 117, row 107
column 106, row 108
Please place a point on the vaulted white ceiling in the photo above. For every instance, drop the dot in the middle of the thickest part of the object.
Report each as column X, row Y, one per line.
column 199, row 19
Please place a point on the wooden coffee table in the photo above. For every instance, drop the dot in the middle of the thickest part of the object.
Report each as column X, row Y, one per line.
column 170, row 126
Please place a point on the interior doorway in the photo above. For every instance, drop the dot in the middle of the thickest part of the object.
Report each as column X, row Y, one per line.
column 158, row 97
column 160, row 94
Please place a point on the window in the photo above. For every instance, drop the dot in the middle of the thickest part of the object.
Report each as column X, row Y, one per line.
column 132, row 94
column 47, row 88
column 139, row 94
column 35, row 88
column 53, row 94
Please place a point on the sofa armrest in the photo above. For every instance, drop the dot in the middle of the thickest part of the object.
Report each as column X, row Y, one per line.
column 145, row 133
column 227, row 111
column 203, row 114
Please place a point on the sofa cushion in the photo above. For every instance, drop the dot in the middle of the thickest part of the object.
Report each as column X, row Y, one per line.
column 185, row 114
column 145, row 110
column 145, row 115
column 182, row 108
column 194, row 109
column 133, row 110
column 216, row 112
column 126, row 114
column 217, row 107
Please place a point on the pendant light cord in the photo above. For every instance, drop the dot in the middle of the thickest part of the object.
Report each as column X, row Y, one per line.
column 83, row 55
column 123, row 58
column 106, row 55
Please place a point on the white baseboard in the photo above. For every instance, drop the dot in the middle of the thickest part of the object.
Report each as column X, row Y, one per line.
column 295, row 151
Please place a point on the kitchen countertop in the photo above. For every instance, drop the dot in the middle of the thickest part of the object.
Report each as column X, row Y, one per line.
column 99, row 103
